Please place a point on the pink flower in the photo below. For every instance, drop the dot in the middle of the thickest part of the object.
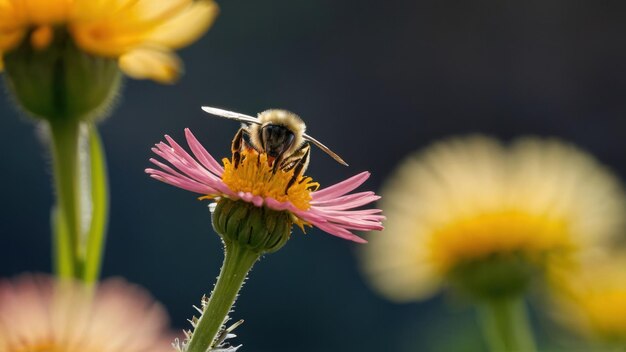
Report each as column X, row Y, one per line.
column 331, row 209
column 38, row 313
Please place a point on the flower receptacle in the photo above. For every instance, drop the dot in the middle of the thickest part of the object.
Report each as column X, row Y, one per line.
column 52, row 79
column 495, row 277
column 260, row 229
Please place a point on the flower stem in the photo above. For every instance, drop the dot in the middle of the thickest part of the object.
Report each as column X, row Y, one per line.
column 238, row 260
column 506, row 326
column 100, row 207
column 62, row 258
column 65, row 143
column 81, row 213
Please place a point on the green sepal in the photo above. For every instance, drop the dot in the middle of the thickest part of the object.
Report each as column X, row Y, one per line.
column 61, row 82
column 260, row 229
column 496, row 276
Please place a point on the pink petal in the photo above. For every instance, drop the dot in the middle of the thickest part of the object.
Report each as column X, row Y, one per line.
column 356, row 223
column 178, row 182
column 189, row 177
column 214, row 184
column 302, row 214
column 337, row 229
column 348, row 203
column 185, row 163
column 251, row 198
column 362, row 213
column 342, row 199
column 203, row 156
column 340, row 188
column 170, row 171
column 339, row 232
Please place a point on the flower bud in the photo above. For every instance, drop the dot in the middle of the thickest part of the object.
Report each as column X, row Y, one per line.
column 498, row 276
column 52, row 79
column 260, row 229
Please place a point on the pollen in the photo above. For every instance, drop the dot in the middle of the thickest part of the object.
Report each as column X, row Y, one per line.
column 254, row 174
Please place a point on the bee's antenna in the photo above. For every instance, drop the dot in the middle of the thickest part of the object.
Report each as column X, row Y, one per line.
column 325, row 149
column 231, row 115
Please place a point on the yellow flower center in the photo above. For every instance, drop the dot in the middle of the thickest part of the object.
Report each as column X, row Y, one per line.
column 497, row 232
column 254, row 174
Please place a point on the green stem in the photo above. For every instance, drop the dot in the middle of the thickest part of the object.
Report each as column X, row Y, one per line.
column 81, row 180
column 65, row 144
column 62, row 257
column 506, row 326
column 238, row 260
column 100, row 207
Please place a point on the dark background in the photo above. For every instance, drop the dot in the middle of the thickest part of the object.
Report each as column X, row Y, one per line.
column 374, row 81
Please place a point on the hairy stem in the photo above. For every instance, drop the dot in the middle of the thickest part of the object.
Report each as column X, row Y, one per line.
column 238, row 260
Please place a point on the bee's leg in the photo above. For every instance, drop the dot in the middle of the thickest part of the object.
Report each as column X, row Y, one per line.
column 292, row 160
column 236, row 145
column 289, row 163
column 277, row 163
column 248, row 144
column 247, row 141
column 300, row 166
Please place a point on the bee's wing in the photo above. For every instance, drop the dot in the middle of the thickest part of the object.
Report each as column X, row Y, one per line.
column 325, row 149
column 231, row 115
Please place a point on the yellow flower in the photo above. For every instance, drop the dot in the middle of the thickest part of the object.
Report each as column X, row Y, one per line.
column 474, row 213
column 141, row 35
column 38, row 314
column 592, row 300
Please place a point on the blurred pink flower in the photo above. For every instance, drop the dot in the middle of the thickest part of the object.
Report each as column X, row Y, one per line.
column 331, row 209
column 38, row 313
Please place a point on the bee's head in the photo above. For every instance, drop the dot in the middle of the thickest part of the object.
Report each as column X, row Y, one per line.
column 276, row 139
column 280, row 132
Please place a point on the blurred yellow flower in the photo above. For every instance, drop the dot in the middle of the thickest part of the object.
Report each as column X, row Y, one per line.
column 592, row 300
column 472, row 210
column 38, row 314
column 141, row 34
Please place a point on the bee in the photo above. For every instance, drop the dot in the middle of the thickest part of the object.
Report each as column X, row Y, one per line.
column 279, row 134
